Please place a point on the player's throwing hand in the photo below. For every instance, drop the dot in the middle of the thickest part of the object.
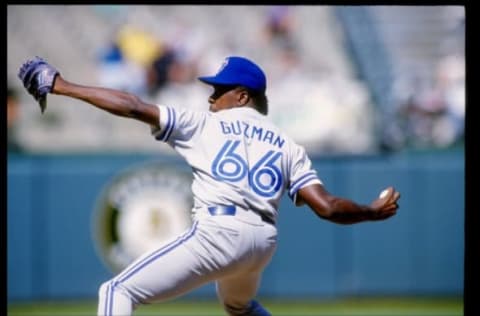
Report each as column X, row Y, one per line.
column 386, row 203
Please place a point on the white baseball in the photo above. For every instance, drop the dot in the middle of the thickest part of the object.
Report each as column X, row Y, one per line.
column 383, row 193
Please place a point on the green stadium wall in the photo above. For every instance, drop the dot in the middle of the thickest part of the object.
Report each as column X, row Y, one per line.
column 51, row 253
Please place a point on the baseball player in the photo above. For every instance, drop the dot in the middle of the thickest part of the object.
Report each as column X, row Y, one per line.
column 242, row 164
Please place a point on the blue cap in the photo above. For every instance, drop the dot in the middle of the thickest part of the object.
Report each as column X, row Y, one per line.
column 238, row 71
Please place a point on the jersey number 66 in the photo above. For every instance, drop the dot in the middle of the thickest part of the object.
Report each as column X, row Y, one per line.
column 265, row 178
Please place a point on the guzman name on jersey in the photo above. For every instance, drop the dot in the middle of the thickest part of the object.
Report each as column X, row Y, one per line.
column 252, row 132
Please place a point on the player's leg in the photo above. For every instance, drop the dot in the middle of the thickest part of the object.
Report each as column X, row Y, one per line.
column 236, row 294
column 167, row 272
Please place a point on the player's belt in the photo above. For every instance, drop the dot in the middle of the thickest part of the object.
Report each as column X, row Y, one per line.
column 232, row 210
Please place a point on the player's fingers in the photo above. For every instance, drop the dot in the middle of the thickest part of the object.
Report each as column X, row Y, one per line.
column 390, row 207
column 383, row 198
column 393, row 198
column 386, row 200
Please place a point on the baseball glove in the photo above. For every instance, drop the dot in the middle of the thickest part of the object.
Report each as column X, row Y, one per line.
column 38, row 77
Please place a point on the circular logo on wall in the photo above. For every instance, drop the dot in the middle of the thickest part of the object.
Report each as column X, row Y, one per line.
column 141, row 209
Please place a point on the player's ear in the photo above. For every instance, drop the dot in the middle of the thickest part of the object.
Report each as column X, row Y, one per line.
column 243, row 97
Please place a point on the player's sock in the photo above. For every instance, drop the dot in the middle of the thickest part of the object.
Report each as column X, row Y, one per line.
column 252, row 309
column 257, row 310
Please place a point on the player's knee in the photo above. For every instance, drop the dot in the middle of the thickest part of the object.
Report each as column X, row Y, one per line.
column 103, row 289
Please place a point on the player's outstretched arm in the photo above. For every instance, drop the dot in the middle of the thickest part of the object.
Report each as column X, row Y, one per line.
column 40, row 78
column 116, row 102
column 344, row 211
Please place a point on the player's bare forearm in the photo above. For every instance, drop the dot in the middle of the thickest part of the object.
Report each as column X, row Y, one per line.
column 114, row 101
column 344, row 211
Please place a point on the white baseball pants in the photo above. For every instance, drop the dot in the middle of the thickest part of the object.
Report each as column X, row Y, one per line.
column 231, row 250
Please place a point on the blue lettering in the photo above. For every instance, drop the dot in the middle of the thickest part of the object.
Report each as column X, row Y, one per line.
column 268, row 137
column 238, row 130
column 279, row 142
column 225, row 129
column 251, row 131
column 258, row 132
column 245, row 131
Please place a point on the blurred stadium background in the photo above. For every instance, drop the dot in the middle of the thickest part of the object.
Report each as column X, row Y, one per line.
column 375, row 93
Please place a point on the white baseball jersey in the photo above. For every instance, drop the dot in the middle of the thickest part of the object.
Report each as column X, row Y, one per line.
column 238, row 157
column 242, row 162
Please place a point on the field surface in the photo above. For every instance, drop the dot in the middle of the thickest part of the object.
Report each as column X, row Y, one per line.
column 346, row 307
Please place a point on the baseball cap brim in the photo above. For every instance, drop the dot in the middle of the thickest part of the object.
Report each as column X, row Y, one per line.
column 216, row 81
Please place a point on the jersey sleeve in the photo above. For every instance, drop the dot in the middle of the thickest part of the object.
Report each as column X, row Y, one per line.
column 177, row 125
column 301, row 173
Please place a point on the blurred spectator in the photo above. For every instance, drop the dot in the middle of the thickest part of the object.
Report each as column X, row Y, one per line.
column 279, row 42
column 123, row 63
column 174, row 64
column 279, row 25
column 158, row 70
column 451, row 81
column 433, row 114
column 169, row 67
column 13, row 112
column 139, row 62
column 138, row 46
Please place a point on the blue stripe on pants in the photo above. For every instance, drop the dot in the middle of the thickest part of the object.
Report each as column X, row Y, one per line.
column 125, row 275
